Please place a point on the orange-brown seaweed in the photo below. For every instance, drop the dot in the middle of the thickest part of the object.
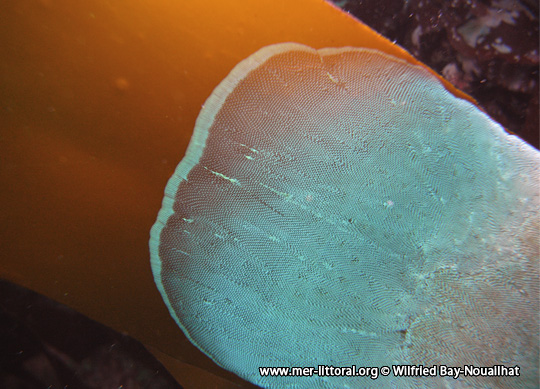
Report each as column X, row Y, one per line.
column 98, row 98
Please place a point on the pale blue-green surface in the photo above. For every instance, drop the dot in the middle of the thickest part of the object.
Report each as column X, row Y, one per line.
column 340, row 207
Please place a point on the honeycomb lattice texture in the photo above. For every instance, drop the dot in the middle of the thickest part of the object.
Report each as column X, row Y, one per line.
column 340, row 207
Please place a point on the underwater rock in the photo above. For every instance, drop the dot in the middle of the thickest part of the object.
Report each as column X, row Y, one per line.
column 487, row 48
